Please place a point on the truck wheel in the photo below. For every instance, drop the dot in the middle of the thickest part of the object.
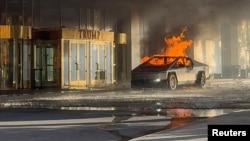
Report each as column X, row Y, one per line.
column 201, row 79
column 172, row 81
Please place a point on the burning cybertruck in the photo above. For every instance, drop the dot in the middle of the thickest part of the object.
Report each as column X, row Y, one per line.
column 169, row 72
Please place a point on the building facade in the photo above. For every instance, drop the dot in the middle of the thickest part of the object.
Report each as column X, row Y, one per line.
column 60, row 43
column 91, row 43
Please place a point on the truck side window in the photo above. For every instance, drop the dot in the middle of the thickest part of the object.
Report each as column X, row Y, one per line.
column 180, row 63
column 187, row 63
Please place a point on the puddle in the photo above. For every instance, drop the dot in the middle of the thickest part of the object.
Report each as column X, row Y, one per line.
column 193, row 113
column 173, row 118
column 134, row 123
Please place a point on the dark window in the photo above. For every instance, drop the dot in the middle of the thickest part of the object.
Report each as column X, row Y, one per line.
column 58, row 13
column 27, row 11
column 70, row 13
column 50, row 13
column 110, row 19
column 2, row 12
column 97, row 19
column 90, row 19
column 36, row 13
column 14, row 12
column 83, row 18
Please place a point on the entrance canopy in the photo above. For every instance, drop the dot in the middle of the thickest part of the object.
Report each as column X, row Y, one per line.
column 69, row 33
column 72, row 58
column 15, row 32
column 15, row 42
column 87, row 34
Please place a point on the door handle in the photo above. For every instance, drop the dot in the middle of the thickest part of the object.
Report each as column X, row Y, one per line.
column 77, row 66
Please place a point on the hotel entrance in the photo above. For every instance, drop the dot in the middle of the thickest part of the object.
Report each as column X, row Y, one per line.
column 97, row 63
column 45, row 64
column 87, row 60
column 77, row 63
column 100, row 63
column 15, row 57
column 72, row 58
column 87, row 63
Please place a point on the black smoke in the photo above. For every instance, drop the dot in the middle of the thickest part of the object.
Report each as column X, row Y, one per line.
column 202, row 18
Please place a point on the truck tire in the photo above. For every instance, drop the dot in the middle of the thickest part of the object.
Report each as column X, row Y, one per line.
column 172, row 81
column 201, row 79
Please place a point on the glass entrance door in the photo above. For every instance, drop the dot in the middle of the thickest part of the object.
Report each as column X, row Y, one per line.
column 46, row 72
column 87, row 63
column 15, row 63
column 97, row 63
column 77, row 64
column 22, row 52
column 6, row 64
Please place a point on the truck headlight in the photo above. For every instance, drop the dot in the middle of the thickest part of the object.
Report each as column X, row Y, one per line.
column 157, row 80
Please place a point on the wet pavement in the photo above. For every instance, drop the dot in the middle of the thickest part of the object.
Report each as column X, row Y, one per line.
column 211, row 83
column 112, row 97
column 198, row 130
column 219, row 94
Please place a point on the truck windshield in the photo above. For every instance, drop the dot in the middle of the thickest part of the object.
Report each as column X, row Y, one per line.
column 159, row 61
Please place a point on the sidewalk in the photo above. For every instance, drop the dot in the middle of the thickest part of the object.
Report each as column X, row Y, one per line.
column 227, row 82
column 113, row 95
column 193, row 131
column 126, row 85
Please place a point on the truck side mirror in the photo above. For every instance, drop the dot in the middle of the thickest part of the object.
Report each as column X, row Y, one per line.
column 190, row 66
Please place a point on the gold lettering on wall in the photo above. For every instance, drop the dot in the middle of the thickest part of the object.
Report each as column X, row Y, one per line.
column 84, row 34
column 89, row 34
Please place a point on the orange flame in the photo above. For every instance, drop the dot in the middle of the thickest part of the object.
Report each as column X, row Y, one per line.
column 175, row 46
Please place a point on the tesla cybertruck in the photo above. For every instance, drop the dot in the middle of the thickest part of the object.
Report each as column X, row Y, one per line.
column 169, row 72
